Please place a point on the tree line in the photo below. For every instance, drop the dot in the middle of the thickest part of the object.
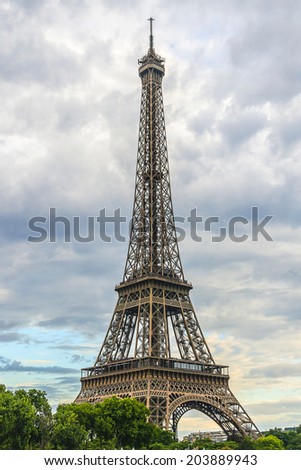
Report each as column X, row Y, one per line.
column 27, row 422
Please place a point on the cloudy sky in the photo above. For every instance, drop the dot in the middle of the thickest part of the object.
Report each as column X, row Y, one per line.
column 70, row 97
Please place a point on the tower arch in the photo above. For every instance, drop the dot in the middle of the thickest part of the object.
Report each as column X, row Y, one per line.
column 228, row 416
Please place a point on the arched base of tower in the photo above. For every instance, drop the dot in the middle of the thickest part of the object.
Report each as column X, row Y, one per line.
column 170, row 388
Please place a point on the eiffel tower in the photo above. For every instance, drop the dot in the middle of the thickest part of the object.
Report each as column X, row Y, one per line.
column 154, row 349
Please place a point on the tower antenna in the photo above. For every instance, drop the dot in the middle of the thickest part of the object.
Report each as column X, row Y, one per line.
column 151, row 37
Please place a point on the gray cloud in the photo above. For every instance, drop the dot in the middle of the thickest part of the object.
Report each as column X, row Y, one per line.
column 266, row 54
column 238, row 126
column 277, row 407
column 3, row 360
column 28, row 58
column 76, row 358
column 17, row 366
column 29, row 6
column 277, row 370
column 14, row 337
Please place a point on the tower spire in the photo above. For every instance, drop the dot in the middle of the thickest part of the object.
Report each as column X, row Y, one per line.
column 151, row 37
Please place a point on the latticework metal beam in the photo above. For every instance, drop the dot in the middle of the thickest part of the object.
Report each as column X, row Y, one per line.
column 153, row 247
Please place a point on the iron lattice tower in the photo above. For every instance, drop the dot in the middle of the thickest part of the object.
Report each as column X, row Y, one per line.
column 154, row 349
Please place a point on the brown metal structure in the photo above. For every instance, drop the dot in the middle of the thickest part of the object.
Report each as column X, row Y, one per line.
column 154, row 349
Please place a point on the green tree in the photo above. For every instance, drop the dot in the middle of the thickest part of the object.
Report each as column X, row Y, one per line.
column 268, row 443
column 290, row 438
column 6, row 418
column 100, row 430
column 68, row 433
column 180, row 445
column 247, row 444
column 86, row 416
column 160, row 436
column 284, row 436
column 157, row 446
column 113, row 423
column 17, row 420
column 43, row 419
column 229, row 445
column 294, row 442
column 126, row 418
column 205, row 443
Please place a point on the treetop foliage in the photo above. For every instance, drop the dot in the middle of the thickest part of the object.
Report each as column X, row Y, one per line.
column 27, row 422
